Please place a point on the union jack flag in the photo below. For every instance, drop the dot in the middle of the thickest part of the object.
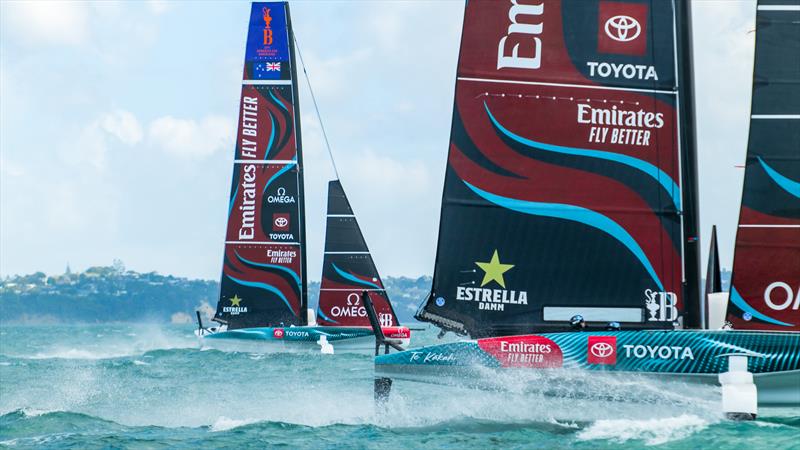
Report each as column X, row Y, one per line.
column 273, row 67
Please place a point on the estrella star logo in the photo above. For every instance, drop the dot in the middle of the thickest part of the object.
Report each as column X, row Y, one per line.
column 494, row 270
column 235, row 300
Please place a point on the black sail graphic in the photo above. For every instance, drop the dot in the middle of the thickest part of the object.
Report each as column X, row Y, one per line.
column 348, row 269
column 264, row 269
column 570, row 184
column 765, row 286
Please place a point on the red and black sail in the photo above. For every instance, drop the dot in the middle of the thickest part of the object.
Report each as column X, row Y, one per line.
column 765, row 287
column 569, row 186
column 263, row 274
column 348, row 270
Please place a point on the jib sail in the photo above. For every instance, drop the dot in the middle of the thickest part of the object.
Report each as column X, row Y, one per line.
column 348, row 269
column 765, row 288
column 263, row 274
column 569, row 186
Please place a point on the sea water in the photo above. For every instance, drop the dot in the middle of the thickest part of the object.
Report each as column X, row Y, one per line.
column 152, row 386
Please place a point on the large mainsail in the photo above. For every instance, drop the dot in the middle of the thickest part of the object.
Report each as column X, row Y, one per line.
column 263, row 275
column 765, row 288
column 348, row 269
column 569, row 186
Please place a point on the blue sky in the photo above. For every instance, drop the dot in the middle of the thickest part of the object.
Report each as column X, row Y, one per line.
column 117, row 125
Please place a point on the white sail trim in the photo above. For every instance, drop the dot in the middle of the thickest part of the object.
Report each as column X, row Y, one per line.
column 262, row 242
column 579, row 86
column 768, row 226
column 265, row 161
column 593, row 314
column 779, row 8
column 266, row 82
column 347, row 253
column 776, row 116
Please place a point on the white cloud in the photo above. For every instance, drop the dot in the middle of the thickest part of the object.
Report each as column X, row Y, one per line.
column 123, row 125
column 158, row 7
column 48, row 22
column 187, row 137
column 93, row 140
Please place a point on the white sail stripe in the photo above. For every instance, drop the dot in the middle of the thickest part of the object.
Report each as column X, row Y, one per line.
column 262, row 242
column 767, row 226
column 347, row 253
column 353, row 290
column 775, row 116
column 341, row 215
column 265, row 161
column 579, row 86
column 266, row 82
column 779, row 8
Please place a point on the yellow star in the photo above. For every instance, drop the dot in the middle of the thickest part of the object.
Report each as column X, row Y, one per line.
column 235, row 300
column 494, row 270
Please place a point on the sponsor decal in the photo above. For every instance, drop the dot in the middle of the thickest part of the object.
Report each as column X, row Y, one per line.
column 280, row 222
column 277, row 333
column 661, row 306
column 385, row 319
column 249, row 115
column 265, row 14
column 626, row 71
column 779, row 296
column 622, row 28
column 281, row 197
column 281, row 256
column 522, row 37
column 602, row 350
column 352, row 309
column 492, row 299
column 296, row 333
column 235, row 309
column 523, row 351
column 424, row 357
column 272, row 67
column 615, row 125
column 440, row 301
column 396, row 332
column 658, row 352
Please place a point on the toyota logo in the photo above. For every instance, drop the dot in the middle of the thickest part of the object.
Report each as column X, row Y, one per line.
column 623, row 28
column 278, row 333
column 281, row 222
column 602, row 349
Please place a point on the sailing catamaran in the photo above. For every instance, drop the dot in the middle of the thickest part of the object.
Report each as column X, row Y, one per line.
column 263, row 295
column 570, row 204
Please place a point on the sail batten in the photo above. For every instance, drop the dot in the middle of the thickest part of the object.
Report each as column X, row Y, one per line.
column 263, row 275
column 567, row 168
column 765, row 284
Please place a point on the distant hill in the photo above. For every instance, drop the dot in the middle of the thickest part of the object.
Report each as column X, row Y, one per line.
column 113, row 294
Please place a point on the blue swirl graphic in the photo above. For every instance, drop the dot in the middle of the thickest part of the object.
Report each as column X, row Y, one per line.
column 787, row 184
column 271, row 266
column 278, row 101
column 349, row 277
column 233, row 200
column 742, row 304
column 271, row 135
column 575, row 214
column 263, row 286
column 654, row 172
column 285, row 169
column 322, row 314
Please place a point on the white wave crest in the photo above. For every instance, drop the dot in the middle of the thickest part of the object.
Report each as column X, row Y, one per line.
column 651, row 431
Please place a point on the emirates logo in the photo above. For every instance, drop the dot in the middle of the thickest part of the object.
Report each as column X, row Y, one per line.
column 601, row 349
column 622, row 28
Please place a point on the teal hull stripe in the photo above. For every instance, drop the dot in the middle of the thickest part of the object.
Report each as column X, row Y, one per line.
column 265, row 287
column 787, row 184
column 271, row 266
column 575, row 214
column 742, row 304
column 349, row 277
column 654, row 172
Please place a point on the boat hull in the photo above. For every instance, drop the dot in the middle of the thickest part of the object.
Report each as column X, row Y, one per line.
column 690, row 356
column 304, row 338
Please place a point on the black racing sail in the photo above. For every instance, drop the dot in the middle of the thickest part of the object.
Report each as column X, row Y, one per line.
column 348, row 270
column 570, row 185
column 765, row 285
column 264, row 269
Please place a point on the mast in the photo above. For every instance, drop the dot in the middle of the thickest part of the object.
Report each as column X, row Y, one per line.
column 348, row 270
column 694, row 315
column 263, row 277
column 564, row 185
column 765, row 284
